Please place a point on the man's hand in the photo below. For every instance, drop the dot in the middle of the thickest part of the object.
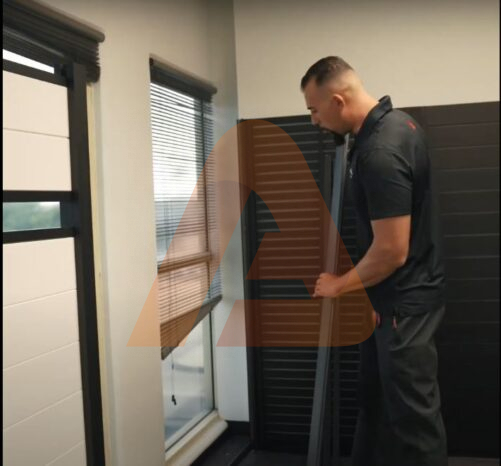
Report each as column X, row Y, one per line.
column 328, row 285
column 388, row 252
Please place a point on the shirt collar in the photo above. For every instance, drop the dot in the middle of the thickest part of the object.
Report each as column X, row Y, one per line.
column 381, row 109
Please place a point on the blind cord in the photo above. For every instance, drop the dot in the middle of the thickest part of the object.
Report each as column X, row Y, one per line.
column 173, row 386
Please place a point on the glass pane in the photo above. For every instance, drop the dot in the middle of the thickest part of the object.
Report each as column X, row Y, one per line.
column 194, row 236
column 187, row 384
column 14, row 57
column 20, row 216
column 177, row 163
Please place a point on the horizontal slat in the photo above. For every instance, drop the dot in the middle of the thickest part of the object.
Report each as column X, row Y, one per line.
column 462, row 114
column 478, row 267
column 301, row 203
column 472, row 289
column 482, row 134
column 289, row 391
column 473, row 331
column 277, row 138
column 287, row 427
column 468, row 179
column 470, row 224
column 186, row 261
column 466, row 311
column 287, row 221
column 301, row 416
column 293, row 128
column 290, row 353
column 288, row 340
column 289, row 329
column 467, row 364
column 465, row 157
column 276, row 401
column 280, row 253
column 280, row 366
column 468, row 245
column 469, row 201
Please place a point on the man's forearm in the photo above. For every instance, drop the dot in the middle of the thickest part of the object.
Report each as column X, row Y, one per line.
column 372, row 269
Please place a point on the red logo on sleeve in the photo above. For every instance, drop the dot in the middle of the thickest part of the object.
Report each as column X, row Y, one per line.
column 411, row 125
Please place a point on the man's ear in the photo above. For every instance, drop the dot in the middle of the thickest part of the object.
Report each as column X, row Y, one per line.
column 338, row 100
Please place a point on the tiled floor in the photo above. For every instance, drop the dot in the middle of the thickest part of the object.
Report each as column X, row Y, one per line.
column 235, row 450
column 265, row 458
column 226, row 451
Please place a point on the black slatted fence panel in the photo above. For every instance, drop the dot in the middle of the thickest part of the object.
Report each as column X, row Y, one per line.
column 285, row 374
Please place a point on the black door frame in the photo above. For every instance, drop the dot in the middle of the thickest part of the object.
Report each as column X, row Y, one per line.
column 76, row 222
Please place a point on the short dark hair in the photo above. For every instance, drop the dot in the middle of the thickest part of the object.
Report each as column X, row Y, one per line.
column 325, row 69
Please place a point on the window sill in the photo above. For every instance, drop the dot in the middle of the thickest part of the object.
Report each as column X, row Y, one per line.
column 195, row 442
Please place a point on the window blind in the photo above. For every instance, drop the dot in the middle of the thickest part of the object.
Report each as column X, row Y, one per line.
column 189, row 284
column 44, row 34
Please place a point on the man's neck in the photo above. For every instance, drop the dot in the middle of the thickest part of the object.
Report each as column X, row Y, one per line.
column 363, row 108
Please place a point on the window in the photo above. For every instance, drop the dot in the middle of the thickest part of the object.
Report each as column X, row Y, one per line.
column 188, row 280
column 31, row 216
column 16, row 58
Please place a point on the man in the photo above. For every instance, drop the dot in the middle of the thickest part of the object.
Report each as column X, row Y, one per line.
column 400, row 266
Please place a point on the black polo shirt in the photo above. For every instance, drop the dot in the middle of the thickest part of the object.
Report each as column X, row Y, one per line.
column 389, row 175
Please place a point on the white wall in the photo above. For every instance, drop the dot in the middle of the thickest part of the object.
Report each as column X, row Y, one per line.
column 182, row 33
column 420, row 52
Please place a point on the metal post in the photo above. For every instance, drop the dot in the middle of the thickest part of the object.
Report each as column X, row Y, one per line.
column 318, row 448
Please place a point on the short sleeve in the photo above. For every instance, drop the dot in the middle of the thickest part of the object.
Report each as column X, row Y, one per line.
column 386, row 178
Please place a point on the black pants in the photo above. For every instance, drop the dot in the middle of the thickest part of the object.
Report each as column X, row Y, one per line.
column 399, row 422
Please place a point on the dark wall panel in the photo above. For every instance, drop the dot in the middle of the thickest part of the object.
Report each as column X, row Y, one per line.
column 464, row 143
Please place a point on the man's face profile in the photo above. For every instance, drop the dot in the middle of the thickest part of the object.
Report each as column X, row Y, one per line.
column 325, row 110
